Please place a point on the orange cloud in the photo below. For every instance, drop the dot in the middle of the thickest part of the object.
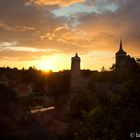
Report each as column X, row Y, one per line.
column 29, row 33
column 57, row 2
column 16, row 28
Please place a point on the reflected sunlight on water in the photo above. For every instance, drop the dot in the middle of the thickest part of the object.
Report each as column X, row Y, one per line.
column 42, row 109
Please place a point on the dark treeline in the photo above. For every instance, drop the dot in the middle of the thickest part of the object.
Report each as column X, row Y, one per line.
column 107, row 115
column 94, row 114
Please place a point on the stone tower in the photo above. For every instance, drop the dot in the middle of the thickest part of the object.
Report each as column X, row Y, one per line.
column 121, row 59
column 75, row 71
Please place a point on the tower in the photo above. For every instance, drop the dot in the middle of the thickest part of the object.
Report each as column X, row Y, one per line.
column 75, row 71
column 121, row 59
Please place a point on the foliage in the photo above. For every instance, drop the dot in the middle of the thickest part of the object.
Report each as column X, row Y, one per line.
column 12, row 114
column 110, row 116
column 115, row 116
column 83, row 101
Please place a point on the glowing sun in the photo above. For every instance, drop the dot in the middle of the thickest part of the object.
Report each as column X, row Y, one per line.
column 46, row 65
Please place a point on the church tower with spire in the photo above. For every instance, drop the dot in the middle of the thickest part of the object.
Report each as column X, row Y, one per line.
column 121, row 59
column 75, row 71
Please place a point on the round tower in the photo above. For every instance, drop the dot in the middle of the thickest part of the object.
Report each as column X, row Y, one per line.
column 75, row 70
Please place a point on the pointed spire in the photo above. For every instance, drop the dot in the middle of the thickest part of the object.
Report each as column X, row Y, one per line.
column 121, row 51
column 121, row 48
column 76, row 55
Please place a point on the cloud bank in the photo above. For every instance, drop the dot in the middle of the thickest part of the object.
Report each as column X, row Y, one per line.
column 45, row 27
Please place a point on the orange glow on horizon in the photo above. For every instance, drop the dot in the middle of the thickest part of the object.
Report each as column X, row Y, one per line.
column 53, row 63
column 45, row 65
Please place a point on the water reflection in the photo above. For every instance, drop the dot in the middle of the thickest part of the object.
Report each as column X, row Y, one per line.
column 42, row 109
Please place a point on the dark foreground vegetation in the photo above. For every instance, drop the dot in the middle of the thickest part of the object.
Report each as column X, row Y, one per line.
column 94, row 114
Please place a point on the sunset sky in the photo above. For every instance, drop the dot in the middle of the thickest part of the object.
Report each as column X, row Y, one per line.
column 47, row 33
